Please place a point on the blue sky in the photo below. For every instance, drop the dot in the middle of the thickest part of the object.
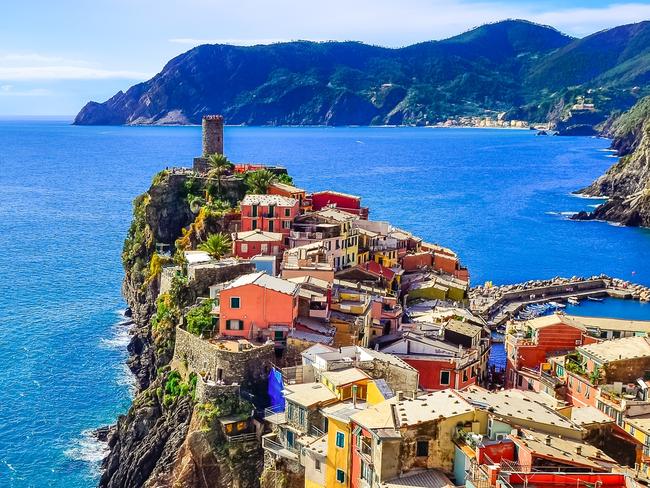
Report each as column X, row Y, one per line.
column 57, row 55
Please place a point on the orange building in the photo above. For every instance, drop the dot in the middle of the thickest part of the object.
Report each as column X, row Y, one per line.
column 270, row 213
column 258, row 307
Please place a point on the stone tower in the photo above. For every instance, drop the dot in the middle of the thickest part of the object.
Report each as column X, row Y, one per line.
column 212, row 126
column 212, row 134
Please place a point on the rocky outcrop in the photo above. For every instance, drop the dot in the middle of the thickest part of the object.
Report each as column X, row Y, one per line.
column 627, row 183
column 159, row 442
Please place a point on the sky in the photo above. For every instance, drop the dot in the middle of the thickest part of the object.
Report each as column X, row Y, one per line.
column 57, row 55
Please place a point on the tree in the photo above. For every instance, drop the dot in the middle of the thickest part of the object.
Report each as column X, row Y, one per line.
column 217, row 245
column 258, row 182
column 219, row 166
column 286, row 179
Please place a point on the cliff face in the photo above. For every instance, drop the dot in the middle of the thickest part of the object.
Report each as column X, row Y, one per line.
column 161, row 441
column 626, row 183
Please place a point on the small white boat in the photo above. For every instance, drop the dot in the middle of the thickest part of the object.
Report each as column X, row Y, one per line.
column 595, row 299
column 573, row 301
column 557, row 304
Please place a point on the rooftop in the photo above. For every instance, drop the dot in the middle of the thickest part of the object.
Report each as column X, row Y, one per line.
column 516, row 404
column 553, row 319
column 588, row 415
column 463, row 328
column 265, row 281
column 332, row 192
column 429, row 407
column 257, row 235
column 429, row 478
column 195, row 257
column 344, row 410
column 309, row 394
column 332, row 213
column 379, row 416
column 563, row 450
column 278, row 200
column 618, row 349
column 345, row 376
column 613, row 324
column 287, row 188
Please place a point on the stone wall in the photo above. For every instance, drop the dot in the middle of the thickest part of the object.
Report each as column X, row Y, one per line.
column 627, row 371
column 203, row 276
column 247, row 368
column 207, row 391
column 399, row 379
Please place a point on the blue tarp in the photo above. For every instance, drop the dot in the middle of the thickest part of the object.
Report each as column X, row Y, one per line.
column 275, row 388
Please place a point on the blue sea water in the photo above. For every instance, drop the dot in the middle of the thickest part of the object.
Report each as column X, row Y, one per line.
column 499, row 198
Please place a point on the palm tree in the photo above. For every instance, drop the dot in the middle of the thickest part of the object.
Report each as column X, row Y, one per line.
column 219, row 166
column 217, row 245
column 258, row 182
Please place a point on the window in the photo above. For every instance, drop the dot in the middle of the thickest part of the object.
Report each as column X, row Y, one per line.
column 265, row 247
column 244, row 247
column 254, row 224
column 301, row 416
column 234, row 324
column 271, row 210
column 235, row 302
column 254, row 211
column 422, row 448
column 366, row 472
column 286, row 224
column 340, row 439
column 317, row 465
column 271, row 225
column 340, row 476
column 290, row 438
column 520, row 380
column 287, row 212
column 444, row 377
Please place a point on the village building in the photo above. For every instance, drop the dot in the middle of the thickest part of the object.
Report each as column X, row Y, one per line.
column 342, row 201
column 333, row 228
column 257, row 242
column 290, row 191
column 308, row 260
column 270, row 213
column 258, row 307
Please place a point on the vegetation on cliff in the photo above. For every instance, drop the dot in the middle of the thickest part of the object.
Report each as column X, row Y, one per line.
column 529, row 71
column 627, row 183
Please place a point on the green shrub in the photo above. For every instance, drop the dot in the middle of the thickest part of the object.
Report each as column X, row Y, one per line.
column 199, row 318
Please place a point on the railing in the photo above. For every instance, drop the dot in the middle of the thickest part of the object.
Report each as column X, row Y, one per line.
column 278, row 449
column 251, row 436
column 275, row 415
column 315, row 431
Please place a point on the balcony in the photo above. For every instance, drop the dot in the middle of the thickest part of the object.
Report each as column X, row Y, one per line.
column 270, row 444
column 275, row 415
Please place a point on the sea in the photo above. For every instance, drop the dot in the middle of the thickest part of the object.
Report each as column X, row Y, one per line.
column 500, row 198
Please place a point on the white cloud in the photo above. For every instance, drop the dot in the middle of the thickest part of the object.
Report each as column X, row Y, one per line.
column 9, row 91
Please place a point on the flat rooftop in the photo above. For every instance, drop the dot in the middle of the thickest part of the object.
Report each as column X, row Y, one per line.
column 430, row 407
column 618, row 349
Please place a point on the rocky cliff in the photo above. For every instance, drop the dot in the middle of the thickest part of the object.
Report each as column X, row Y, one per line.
column 517, row 68
column 627, row 183
column 164, row 440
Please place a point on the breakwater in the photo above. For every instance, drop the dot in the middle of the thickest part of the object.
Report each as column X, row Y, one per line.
column 497, row 304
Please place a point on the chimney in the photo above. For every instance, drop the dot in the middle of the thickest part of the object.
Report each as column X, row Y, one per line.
column 547, row 440
column 579, row 450
column 400, row 395
column 212, row 134
column 354, row 396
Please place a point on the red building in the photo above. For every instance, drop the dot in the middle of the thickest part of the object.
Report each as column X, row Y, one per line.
column 342, row 201
column 537, row 340
column 256, row 242
column 270, row 213
column 442, row 363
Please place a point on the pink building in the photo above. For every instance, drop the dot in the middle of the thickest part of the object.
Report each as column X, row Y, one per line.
column 258, row 307
column 270, row 213
column 255, row 242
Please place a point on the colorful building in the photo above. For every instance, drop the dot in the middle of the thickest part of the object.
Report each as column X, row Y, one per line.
column 342, row 201
column 257, row 242
column 270, row 213
column 291, row 191
column 258, row 307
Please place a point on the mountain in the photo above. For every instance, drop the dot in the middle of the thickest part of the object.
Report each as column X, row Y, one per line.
column 525, row 70
column 627, row 183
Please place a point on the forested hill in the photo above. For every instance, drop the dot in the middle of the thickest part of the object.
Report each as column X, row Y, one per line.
column 531, row 72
